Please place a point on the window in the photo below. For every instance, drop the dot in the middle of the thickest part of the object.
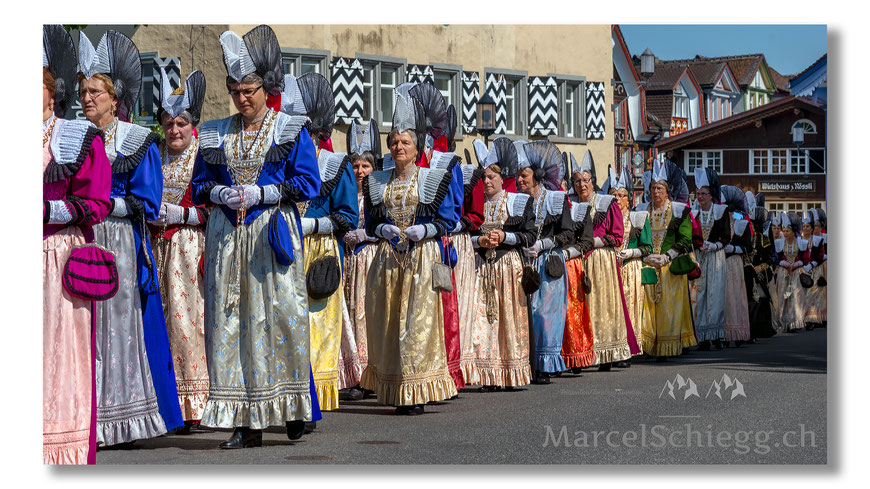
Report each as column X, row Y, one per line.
column 299, row 61
column 571, row 109
column 795, row 207
column 703, row 159
column 776, row 206
column 381, row 75
column 786, row 161
column 516, row 99
column 619, row 115
column 681, row 103
column 145, row 110
column 449, row 82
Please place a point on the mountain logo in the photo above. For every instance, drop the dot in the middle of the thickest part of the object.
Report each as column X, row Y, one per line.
column 722, row 386
column 680, row 384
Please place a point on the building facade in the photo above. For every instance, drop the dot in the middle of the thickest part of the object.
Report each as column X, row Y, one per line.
column 549, row 82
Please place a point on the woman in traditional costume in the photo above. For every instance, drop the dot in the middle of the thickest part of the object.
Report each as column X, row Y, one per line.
column 325, row 220
column 539, row 177
column 792, row 254
column 736, row 306
column 759, row 275
column 816, row 303
column 499, row 340
column 178, row 240
column 667, row 327
column 708, row 291
column 365, row 156
column 611, row 328
column 75, row 192
column 578, row 341
column 136, row 392
column 636, row 244
column 408, row 208
column 256, row 166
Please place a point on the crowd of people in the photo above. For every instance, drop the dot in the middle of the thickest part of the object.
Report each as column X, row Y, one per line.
column 239, row 273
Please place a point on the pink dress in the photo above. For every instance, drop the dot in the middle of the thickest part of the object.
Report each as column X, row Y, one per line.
column 67, row 326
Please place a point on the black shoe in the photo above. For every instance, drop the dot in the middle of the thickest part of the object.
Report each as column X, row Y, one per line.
column 352, row 394
column 541, row 378
column 661, row 359
column 310, row 426
column 811, row 326
column 454, row 397
column 623, row 364
column 485, row 388
column 244, row 438
column 704, row 346
column 718, row 345
column 416, row 410
column 184, row 430
column 605, row 367
column 295, row 429
column 576, row 370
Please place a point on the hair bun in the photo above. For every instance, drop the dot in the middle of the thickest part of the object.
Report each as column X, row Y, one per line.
column 269, row 81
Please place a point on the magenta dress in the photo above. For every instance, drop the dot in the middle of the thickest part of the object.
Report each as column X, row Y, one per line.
column 77, row 172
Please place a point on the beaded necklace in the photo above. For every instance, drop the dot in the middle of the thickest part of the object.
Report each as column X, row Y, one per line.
column 790, row 250
column 659, row 223
column 400, row 212
column 177, row 171
column 246, row 164
column 46, row 133
column 706, row 219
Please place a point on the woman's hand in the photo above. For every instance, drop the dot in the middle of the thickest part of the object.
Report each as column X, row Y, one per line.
column 496, row 236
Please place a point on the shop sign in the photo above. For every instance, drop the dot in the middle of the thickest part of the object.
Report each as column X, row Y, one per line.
column 787, row 186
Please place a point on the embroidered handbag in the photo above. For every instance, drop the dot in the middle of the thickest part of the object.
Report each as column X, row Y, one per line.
column 279, row 238
column 682, row 265
column 441, row 274
column 91, row 273
column 323, row 278
column 806, row 280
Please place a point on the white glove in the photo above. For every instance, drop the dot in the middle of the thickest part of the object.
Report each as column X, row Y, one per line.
column 738, row 250
column 193, row 217
column 170, row 214
column 388, row 231
column 598, row 242
column 120, row 207
column 628, row 253
column 271, row 194
column 307, row 225
column 458, row 226
column 416, row 232
column 784, row 263
column 246, row 196
column 571, row 252
column 656, row 260
column 355, row 236
column 530, row 252
column 808, row 267
column 729, row 249
column 220, row 194
column 58, row 212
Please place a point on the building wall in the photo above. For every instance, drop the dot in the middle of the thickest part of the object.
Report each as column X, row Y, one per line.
column 538, row 49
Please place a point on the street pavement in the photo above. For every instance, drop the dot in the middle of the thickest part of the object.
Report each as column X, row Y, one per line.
column 770, row 409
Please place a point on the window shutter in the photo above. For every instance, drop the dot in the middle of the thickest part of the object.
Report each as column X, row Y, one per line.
column 595, row 110
column 421, row 74
column 495, row 87
column 543, row 106
column 470, row 90
column 347, row 88
column 173, row 72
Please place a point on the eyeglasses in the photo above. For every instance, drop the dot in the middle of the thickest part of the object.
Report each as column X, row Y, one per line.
column 94, row 93
column 247, row 93
column 581, row 180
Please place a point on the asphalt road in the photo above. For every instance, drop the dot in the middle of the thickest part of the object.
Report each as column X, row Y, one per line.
column 779, row 419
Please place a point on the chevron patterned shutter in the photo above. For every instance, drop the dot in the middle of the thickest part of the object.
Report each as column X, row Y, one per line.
column 421, row 74
column 543, row 106
column 495, row 87
column 595, row 113
column 173, row 71
column 470, row 91
column 347, row 88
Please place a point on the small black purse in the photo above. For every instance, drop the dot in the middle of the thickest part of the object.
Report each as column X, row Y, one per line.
column 323, row 278
column 531, row 280
column 554, row 267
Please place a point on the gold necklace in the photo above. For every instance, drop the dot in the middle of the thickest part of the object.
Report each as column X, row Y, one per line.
column 176, row 170
column 110, row 136
column 399, row 211
column 659, row 223
column 46, row 135
column 790, row 250
column 706, row 218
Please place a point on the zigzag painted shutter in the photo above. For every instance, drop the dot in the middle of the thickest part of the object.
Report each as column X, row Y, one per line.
column 495, row 87
column 595, row 113
column 421, row 74
column 470, row 83
column 173, row 71
column 347, row 88
column 543, row 106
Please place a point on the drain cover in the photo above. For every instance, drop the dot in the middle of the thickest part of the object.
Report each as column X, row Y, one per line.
column 378, row 442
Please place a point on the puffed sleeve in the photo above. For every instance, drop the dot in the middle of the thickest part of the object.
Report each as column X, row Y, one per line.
column 644, row 241
column 683, row 237
column 301, row 173
column 585, row 239
column 205, row 177
column 614, row 228
column 564, row 232
column 721, row 232
column 447, row 217
column 145, row 188
column 343, row 204
column 91, row 185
